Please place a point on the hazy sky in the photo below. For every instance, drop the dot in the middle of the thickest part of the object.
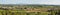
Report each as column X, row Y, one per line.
column 29, row 1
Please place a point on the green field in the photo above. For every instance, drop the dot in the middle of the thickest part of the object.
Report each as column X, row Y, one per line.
column 29, row 10
column 17, row 12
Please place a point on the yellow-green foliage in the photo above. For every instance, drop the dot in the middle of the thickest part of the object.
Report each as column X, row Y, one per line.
column 22, row 12
column 9, row 12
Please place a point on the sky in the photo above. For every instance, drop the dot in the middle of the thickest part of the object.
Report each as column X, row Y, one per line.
column 30, row 2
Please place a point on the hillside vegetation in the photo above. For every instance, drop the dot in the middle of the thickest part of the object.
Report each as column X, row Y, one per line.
column 29, row 10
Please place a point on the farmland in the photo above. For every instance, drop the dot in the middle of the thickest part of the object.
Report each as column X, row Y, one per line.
column 29, row 10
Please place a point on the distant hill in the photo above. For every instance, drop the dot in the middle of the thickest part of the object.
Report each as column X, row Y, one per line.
column 27, row 5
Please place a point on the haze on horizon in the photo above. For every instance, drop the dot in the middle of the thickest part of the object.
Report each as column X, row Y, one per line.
column 54, row 2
